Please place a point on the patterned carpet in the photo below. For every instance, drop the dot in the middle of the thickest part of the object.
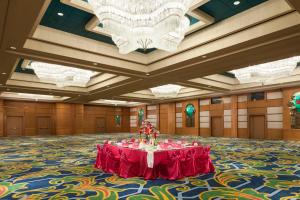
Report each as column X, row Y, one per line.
column 62, row 168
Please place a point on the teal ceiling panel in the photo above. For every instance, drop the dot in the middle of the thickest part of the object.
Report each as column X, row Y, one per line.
column 23, row 70
column 73, row 21
column 223, row 9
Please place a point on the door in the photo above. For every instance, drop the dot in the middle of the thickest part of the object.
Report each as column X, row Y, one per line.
column 14, row 126
column 44, row 126
column 100, row 125
column 217, row 126
column 257, row 126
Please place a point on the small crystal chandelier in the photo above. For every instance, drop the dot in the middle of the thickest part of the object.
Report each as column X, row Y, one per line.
column 166, row 91
column 267, row 71
column 60, row 75
column 143, row 24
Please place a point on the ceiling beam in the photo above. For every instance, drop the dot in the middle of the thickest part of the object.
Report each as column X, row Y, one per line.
column 101, row 78
column 211, row 84
column 222, row 79
column 295, row 4
column 196, row 4
column 201, row 86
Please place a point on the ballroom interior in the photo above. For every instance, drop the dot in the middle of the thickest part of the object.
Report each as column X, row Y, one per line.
column 79, row 75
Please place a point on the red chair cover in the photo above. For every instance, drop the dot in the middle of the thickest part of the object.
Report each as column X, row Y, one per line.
column 132, row 163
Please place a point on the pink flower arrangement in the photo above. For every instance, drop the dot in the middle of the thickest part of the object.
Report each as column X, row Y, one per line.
column 148, row 130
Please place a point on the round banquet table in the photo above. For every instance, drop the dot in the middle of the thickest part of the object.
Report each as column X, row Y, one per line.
column 169, row 164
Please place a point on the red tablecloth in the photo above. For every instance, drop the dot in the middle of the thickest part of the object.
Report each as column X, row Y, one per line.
column 168, row 164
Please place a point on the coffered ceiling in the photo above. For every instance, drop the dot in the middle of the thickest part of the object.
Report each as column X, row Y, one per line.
column 222, row 37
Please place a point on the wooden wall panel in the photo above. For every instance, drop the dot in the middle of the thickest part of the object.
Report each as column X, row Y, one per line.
column 166, row 118
column 243, row 133
column 274, row 134
column 1, row 118
column 234, row 117
column 257, row 104
column 227, row 132
column 163, row 117
column 29, row 119
column 171, row 118
column 204, row 132
column 242, row 105
column 79, row 118
column 65, row 118
column 125, row 119
column 257, row 111
column 274, row 102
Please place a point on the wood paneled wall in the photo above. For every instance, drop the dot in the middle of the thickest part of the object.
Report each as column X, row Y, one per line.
column 85, row 116
column 66, row 119
column 236, row 111
column 29, row 111
column 167, row 118
column 1, row 118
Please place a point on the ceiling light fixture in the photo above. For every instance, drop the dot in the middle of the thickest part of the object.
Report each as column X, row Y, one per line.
column 3, row 73
column 36, row 97
column 267, row 71
column 13, row 48
column 60, row 75
column 236, row 3
column 147, row 74
column 60, row 14
column 143, row 24
column 166, row 91
column 115, row 102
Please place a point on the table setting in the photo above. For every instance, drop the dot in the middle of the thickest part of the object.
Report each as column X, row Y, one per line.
column 152, row 158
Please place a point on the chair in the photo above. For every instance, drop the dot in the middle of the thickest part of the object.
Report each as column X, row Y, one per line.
column 132, row 163
column 188, row 164
column 99, row 155
column 169, row 164
column 111, row 157
column 202, row 160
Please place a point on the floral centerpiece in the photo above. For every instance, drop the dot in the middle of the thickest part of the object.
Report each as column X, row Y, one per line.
column 149, row 132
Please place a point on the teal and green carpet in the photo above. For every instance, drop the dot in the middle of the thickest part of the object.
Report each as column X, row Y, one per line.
column 62, row 168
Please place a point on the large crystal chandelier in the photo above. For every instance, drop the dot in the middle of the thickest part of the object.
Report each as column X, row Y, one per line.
column 61, row 75
column 267, row 71
column 166, row 91
column 143, row 24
